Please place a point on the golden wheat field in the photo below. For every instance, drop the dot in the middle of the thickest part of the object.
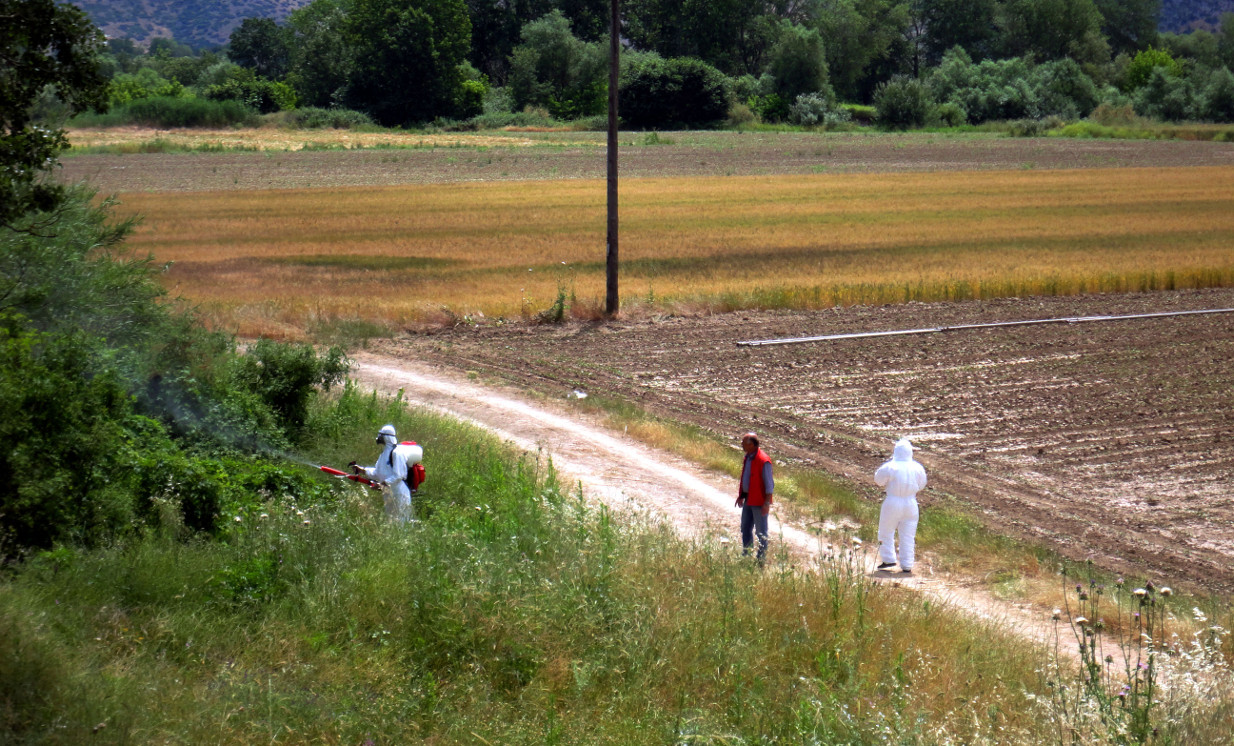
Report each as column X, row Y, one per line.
column 278, row 262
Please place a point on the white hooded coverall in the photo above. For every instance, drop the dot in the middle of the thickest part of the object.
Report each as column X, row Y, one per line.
column 903, row 477
column 392, row 472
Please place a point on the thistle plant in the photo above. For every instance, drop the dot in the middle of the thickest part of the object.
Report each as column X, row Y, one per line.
column 1122, row 641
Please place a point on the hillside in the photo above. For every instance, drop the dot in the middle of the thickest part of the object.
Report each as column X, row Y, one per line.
column 199, row 23
column 1181, row 16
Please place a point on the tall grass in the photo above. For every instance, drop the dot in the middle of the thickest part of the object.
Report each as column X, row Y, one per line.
column 514, row 612
column 401, row 254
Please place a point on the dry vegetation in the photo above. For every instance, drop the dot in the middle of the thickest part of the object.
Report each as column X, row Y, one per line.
column 276, row 262
column 144, row 139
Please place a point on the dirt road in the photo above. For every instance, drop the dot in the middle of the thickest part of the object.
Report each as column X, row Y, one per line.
column 697, row 502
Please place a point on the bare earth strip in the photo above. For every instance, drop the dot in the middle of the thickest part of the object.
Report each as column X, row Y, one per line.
column 696, row 502
column 1112, row 442
column 690, row 154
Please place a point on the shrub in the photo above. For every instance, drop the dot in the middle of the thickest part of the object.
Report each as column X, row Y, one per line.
column 313, row 117
column 166, row 113
column 667, row 93
column 1165, row 96
column 1216, row 100
column 470, row 100
column 991, row 90
column 741, row 115
column 769, row 108
column 951, row 114
column 902, row 103
column 259, row 94
column 145, row 83
column 285, row 376
column 815, row 110
column 115, row 405
column 1065, row 90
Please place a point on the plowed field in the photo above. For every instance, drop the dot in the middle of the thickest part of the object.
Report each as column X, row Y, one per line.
column 1109, row 441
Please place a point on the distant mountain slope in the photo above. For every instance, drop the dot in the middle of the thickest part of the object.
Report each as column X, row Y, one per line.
column 1181, row 16
column 199, row 23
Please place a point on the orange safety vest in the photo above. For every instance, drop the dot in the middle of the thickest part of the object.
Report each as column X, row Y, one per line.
column 756, row 495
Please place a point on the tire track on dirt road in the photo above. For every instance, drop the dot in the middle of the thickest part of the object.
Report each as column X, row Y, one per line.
column 698, row 503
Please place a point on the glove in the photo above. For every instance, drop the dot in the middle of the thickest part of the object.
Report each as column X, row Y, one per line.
column 354, row 468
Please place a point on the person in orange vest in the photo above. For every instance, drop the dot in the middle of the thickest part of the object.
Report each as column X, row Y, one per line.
column 754, row 496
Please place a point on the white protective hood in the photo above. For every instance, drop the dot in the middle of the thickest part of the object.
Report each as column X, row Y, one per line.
column 902, row 476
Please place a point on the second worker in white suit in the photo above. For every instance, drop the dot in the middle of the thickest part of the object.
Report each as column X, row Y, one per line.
column 903, row 477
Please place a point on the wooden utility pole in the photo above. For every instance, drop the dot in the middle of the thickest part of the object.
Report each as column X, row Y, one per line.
column 611, row 303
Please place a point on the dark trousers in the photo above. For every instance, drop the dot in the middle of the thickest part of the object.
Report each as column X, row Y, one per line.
column 753, row 522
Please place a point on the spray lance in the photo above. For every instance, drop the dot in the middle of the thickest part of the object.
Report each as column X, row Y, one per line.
column 353, row 477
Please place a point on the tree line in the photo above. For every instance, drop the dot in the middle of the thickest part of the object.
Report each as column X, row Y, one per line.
column 701, row 62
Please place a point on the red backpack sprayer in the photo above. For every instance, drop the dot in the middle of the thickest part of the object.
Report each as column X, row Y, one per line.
column 407, row 450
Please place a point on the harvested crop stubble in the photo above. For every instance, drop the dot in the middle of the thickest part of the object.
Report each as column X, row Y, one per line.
column 273, row 260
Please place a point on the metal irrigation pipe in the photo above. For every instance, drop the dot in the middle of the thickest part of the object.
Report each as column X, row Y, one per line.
column 959, row 327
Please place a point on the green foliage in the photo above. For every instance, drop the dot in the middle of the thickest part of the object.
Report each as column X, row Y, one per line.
column 866, row 43
column 64, row 442
column 1052, row 30
column 145, row 83
column 262, row 46
column 733, row 35
column 1064, row 90
column 43, row 44
column 1165, row 96
column 120, row 414
column 817, row 110
column 1013, row 89
column 770, row 108
column 286, row 376
column 322, row 60
column 259, row 94
column 951, row 114
column 166, row 113
column 1145, row 62
column 313, row 117
column 902, row 103
column 798, row 63
column 406, row 57
column 1216, row 100
column 670, row 93
column 553, row 69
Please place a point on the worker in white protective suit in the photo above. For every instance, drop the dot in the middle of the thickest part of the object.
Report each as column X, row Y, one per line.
column 903, row 477
column 391, row 471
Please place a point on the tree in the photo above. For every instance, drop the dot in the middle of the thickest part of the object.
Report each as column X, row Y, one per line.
column 321, row 61
column 1225, row 39
column 902, row 102
column 407, row 55
column 1130, row 25
column 1141, row 67
column 658, row 94
column 731, row 35
column 262, row 46
column 965, row 23
column 42, row 44
column 552, row 68
column 1217, row 98
column 1053, row 29
column 865, row 42
column 798, row 62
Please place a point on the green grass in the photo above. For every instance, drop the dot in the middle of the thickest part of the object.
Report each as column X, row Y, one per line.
column 514, row 612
